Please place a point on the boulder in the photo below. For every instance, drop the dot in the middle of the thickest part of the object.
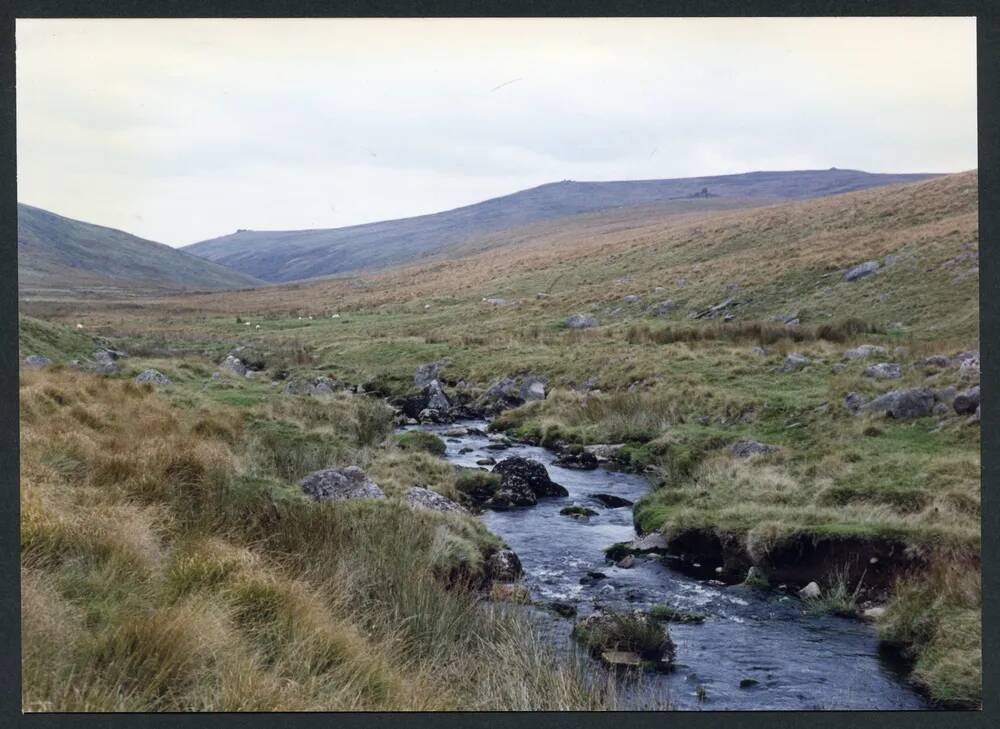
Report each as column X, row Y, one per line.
column 518, row 473
column 501, row 395
column 810, row 591
column 109, row 355
column 946, row 395
column 426, row 374
column 884, row 371
column 103, row 367
column 861, row 270
column 583, row 461
column 339, row 484
column 627, row 562
column 423, row 498
column 503, row 566
column 935, row 360
column 611, row 501
column 251, row 357
column 563, row 609
column 435, row 397
column 863, row 351
column 632, row 299
column 903, row 404
column 968, row 368
column 795, row 361
column 854, row 402
column 234, row 365
column 533, row 388
column 486, row 462
column 652, row 542
column 36, row 361
column 967, row 401
column 315, row 387
column 581, row 321
column 663, row 308
column 603, row 451
column 154, row 376
column 748, row 448
column 496, row 302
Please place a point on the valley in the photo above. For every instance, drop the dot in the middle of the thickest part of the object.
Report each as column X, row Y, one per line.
column 786, row 388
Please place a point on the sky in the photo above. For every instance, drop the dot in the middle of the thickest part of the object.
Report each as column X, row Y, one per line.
column 183, row 130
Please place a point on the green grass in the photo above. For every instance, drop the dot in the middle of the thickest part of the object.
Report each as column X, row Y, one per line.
column 418, row 440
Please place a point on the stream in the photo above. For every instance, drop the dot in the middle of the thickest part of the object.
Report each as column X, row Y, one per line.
column 798, row 660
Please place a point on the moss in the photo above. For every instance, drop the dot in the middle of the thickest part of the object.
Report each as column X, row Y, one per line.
column 577, row 511
column 670, row 614
column 419, row 440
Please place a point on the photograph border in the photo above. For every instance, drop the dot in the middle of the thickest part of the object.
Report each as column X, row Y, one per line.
column 988, row 62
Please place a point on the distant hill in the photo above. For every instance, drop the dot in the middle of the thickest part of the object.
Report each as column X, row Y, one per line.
column 59, row 256
column 300, row 254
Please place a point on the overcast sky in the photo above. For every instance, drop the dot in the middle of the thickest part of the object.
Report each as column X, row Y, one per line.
column 180, row 130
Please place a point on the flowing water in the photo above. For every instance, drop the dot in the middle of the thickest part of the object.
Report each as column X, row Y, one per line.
column 797, row 659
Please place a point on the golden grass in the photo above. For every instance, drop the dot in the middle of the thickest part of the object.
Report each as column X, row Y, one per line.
column 157, row 577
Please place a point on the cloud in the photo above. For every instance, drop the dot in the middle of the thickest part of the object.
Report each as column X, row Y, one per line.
column 179, row 130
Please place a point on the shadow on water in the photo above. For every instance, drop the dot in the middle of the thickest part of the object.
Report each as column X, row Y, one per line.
column 756, row 649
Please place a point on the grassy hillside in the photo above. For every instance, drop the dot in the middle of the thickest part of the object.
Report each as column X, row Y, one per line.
column 57, row 256
column 294, row 255
column 168, row 564
column 678, row 392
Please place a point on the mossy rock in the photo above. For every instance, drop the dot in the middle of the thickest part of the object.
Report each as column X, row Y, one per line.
column 668, row 614
column 418, row 440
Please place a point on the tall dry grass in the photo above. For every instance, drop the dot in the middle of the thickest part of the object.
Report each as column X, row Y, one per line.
column 158, row 576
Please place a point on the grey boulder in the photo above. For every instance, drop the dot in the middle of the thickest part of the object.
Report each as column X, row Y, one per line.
column 861, row 270
column 581, row 321
column 154, row 376
column 423, row 498
column 340, row 484
column 884, row 371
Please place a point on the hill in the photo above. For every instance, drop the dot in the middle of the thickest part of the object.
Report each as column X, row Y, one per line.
column 58, row 256
column 299, row 254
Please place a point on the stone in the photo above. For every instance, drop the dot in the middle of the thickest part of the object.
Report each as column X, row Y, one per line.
column 794, row 361
column 503, row 566
column 611, row 501
column 755, row 575
column 748, row 683
column 105, row 354
column 435, row 397
column 626, row 562
column 340, row 484
column 967, row 401
column 423, row 498
column 748, row 448
column 486, row 462
column 652, row 542
column 583, row 461
column 563, row 609
column 946, row 395
column 935, row 360
column 861, row 270
column 903, row 404
column 154, row 376
column 854, row 402
column 36, row 361
column 496, row 302
column 968, row 369
column 604, row 452
column 874, row 613
column 426, row 374
column 810, row 591
column 632, row 299
column 581, row 321
column 663, row 308
column 314, row 387
column 518, row 473
column 501, row 395
column 863, row 351
column 234, row 365
column 540, row 295
column 533, row 388
column 884, row 371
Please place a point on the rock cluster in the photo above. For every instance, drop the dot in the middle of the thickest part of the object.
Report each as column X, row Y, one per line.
column 339, row 484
